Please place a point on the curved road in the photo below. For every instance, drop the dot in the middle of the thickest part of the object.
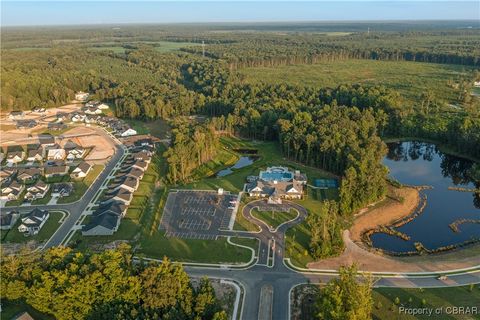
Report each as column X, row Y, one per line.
column 283, row 279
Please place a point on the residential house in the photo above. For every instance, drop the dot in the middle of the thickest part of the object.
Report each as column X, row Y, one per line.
column 56, row 171
column 104, row 224
column 7, row 174
column 14, row 157
column 277, row 183
column 92, row 110
column 81, row 96
column 126, row 182
column 23, row 316
column 78, row 117
column 26, row 124
column 139, row 164
column 34, row 153
column 62, row 189
column 114, row 207
column 92, row 104
column 16, row 115
column 56, row 154
column 103, row 106
column 46, row 140
column 74, row 151
column 125, row 132
column 143, row 155
column 56, row 126
column 28, row 174
column 132, row 172
column 11, row 190
column 121, row 195
column 61, row 116
column 39, row 110
column 34, row 221
column 8, row 219
column 81, row 170
column 37, row 191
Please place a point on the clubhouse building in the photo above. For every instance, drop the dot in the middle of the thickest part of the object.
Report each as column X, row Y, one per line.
column 277, row 183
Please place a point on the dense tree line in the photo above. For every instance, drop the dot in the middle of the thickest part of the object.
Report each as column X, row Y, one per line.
column 346, row 297
column 108, row 285
column 192, row 145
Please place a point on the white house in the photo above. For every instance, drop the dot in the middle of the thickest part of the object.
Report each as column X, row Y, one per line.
column 78, row 118
column 476, row 84
column 12, row 190
column 56, row 154
column 15, row 156
column 34, row 221
column 37, row 191
column 128, row 132
column 81, row 96
column 81, row 170
column 103, row 106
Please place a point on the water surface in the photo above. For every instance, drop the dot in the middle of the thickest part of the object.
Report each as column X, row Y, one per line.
column 417, row 163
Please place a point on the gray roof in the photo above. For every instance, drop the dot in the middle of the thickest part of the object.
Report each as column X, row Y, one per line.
column 57, row 187
column 128, row 181
column 114, row 207
column 84, row 166
column 56, row 169
column 6, row 218
column 106, row 220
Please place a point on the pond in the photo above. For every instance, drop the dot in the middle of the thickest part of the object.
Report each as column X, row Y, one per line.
column 417, row 163
column 242, row 162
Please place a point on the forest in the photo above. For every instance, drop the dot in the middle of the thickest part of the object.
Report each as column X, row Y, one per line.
column 340, row 127
column 110, row 285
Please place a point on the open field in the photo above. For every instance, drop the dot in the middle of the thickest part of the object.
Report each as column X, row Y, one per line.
column 411, row 79
column 158, row 128
column 14, row 236
column 273, row 218
column 204, row 251
column 386, row 308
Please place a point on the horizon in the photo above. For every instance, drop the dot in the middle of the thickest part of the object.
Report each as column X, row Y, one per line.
column 104, row 13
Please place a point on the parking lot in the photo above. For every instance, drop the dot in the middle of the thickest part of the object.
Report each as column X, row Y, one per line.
column 196, row 214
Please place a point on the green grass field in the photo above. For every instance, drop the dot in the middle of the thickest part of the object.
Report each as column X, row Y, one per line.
column 297, row 240
column 48, row 229
column 168, row 46
column 409, row 78
column 386, row 308
column 202, row 251
column 273, row 218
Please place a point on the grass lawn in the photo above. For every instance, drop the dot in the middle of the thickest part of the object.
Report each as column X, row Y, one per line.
column 187, row 250
column 385, row 307
column 45, row 199
column 409, row 78
column 11, row 309
column 297, row 243
column 158, row 128
column 274, row 218
column 240, row 222
column 127, row 231
column 168, row 46
column 48, row 229
column 80, row 186
column 19, row 201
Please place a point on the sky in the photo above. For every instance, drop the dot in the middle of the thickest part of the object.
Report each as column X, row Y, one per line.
column 32, row 13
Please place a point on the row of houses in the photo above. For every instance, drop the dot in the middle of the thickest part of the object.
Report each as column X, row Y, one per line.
column 113, row 206
column 16, row 181
column 39, row 152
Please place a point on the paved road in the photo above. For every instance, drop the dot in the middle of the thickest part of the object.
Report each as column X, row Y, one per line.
column 76, row 209
column 282, row 278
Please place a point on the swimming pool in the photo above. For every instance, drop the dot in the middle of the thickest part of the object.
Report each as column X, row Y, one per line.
column 276, row 175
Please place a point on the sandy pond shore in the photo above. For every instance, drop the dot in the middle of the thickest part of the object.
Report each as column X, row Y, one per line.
column 384, row 213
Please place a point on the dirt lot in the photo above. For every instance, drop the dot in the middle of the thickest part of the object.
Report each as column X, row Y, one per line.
column 385, row 212
column 92, row 137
